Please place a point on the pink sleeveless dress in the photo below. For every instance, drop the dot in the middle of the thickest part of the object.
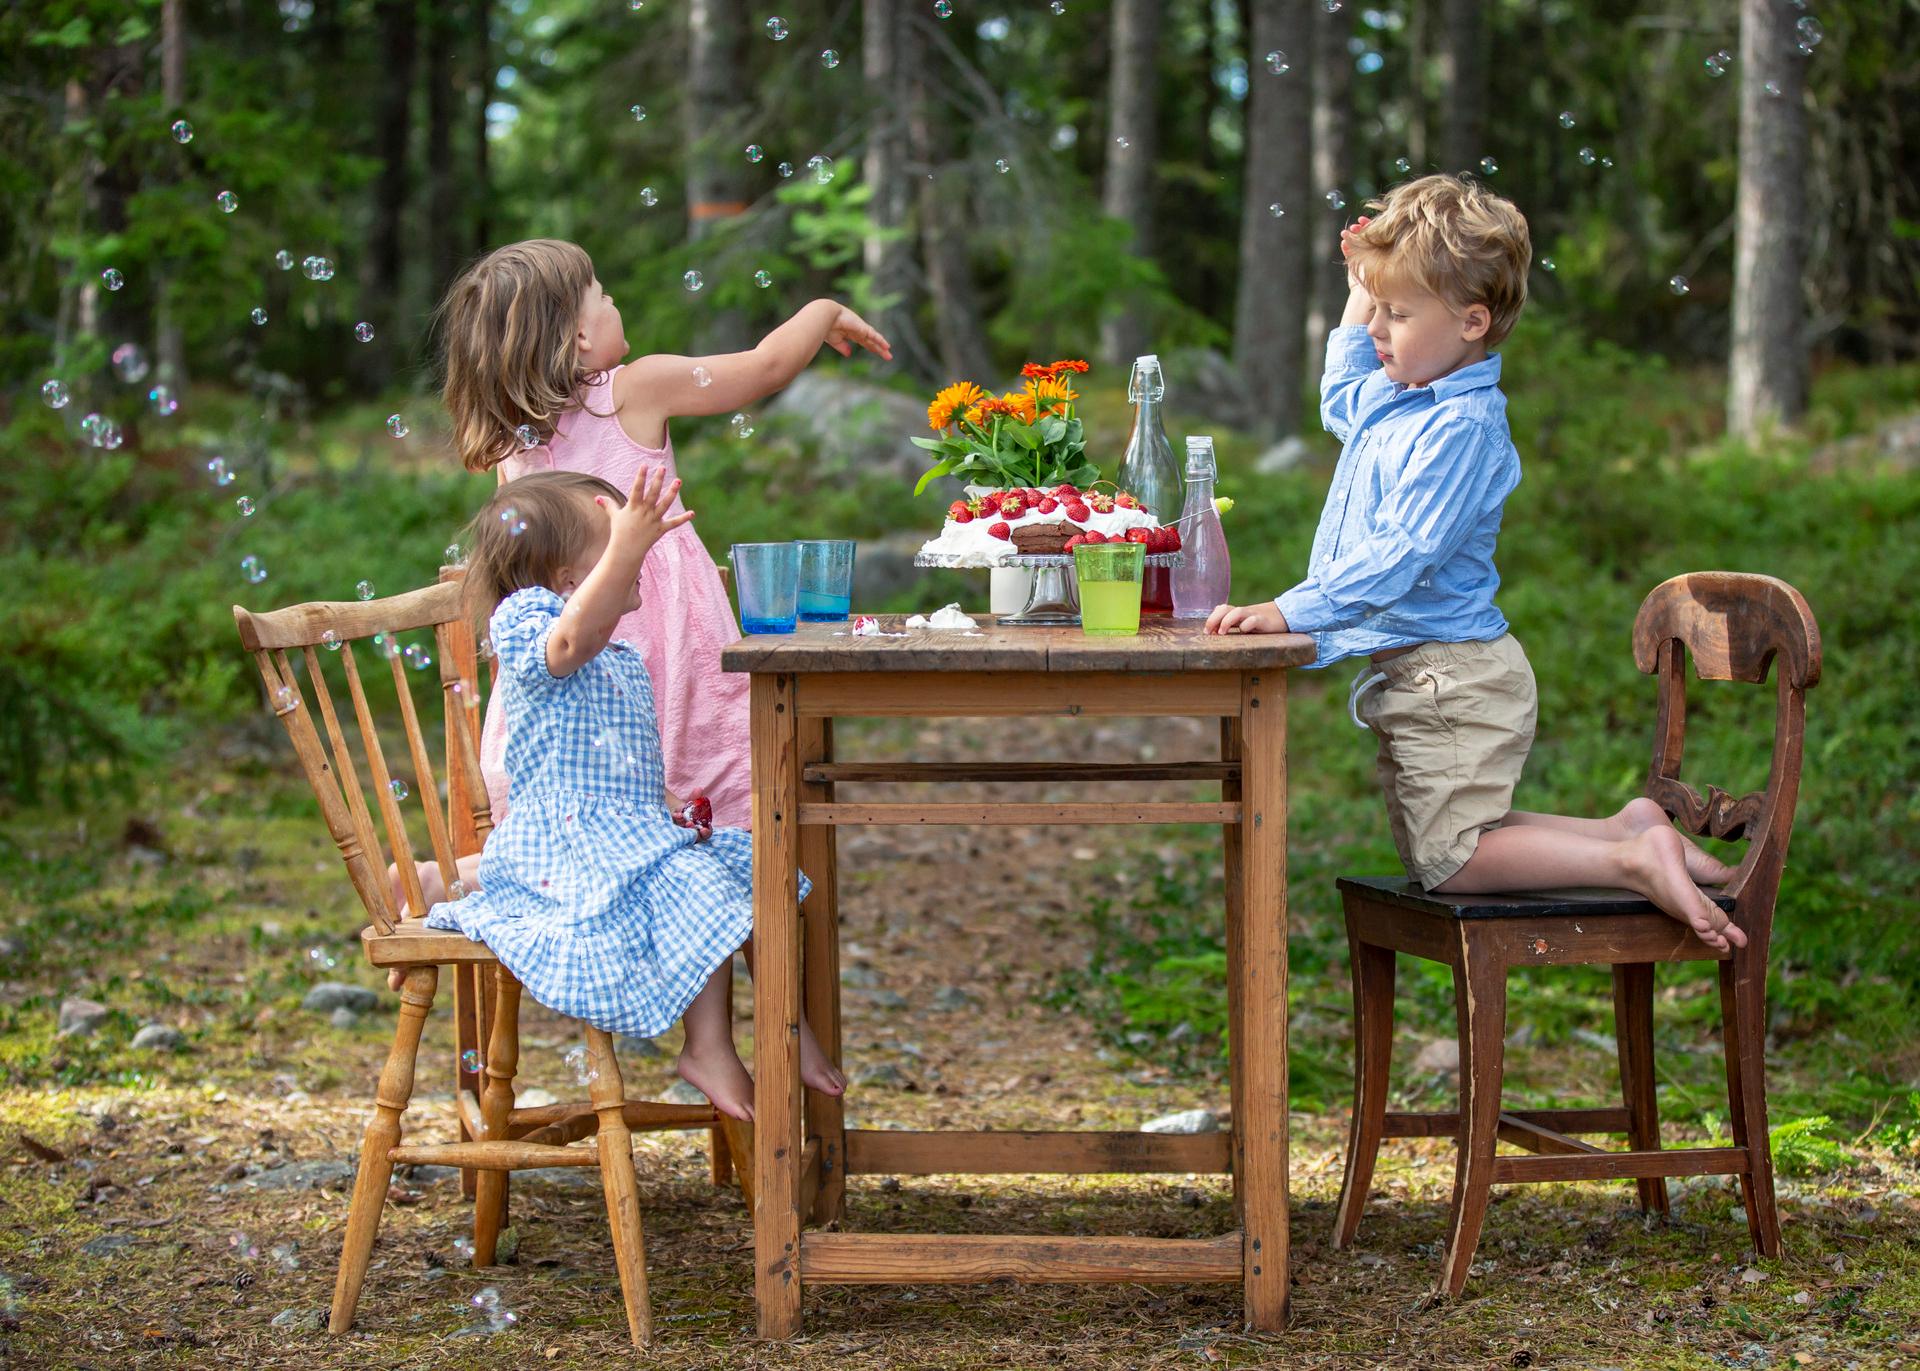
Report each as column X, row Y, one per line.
column 682, row 624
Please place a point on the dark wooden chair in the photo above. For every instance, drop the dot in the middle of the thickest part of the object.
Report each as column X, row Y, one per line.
column 1734, row 627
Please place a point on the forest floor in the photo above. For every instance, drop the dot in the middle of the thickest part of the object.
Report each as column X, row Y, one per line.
column 148, row 1215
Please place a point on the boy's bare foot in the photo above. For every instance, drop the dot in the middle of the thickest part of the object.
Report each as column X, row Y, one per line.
column 1656, row 865
column 1703, row 867
column 718, row 1073
column 816, row 1072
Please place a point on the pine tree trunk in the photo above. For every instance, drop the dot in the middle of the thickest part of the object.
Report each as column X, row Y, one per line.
column 1767, row 370
column 958, row 337
column 1463, row 84
column 443, row 180
column 887, row 253
column 716, row 119
column 1332, row 170
column 1127, row 194
column 386, row 240
column 1270, row 306
column 169, row 348
column 485, row 75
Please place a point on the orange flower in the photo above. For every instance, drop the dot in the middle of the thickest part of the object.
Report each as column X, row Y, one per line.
column 1020, row 406
column 954, row 399
column 976, row 416
column 1051, row 394
column 1070, row 365
column 1033, row 371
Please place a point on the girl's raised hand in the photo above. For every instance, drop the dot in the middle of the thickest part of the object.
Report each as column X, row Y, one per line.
column 648, row 513
column 849, row 328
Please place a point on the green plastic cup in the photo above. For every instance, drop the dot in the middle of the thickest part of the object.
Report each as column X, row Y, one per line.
column 1110, row 576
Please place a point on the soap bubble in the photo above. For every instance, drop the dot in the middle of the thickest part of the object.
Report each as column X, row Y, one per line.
column 742, row 425
column 1058, row 6
column 217, row 471
column 943, row 9
column 285, row 700
column 182, row 131
column 1678, row 285
column 737, row 420
column 100, row 431
column 470, row 1061
column 829, row 58
column 515, row 525
column 463, row 1248
column 397, row 426
column 1402, row 165
column 451, row 555
column 528, row 435
column 1548, row 264
column 763, row 279
column 228, row 201
column 639, row 112
column 498, row 1318
column 163, row 402
column 1772, row 88
column 784, row 170
column 253, row 569
column 283, row 259
column 245, row 505
column 821, row 166
column 1605, row 162
column 458, row 890
column 1277, row 63
column 1718, row 63
column 363, row 331
column 576, row 1060
column 1332, row 6
column 702, row 377
column 386, row 645
column 755, row 152
column 332, row 641
column 242, row 1247
column 1567, row 120
column 1587, row 157
column 112, row 279
column 418, row 657
column 363, row 589
column 1123, row 142
column 55, row 394
column 693, row 280
column 130, row 363
column 777, row 29
column 649, row 196
column 259, row 315
column 1368, row 63
column 1488, row 166
column 1277, row 210
column 320, row 957
column 399, row 788
column 1335, row 200
column 317, row 269
column 1002, row 165
column 1810, row 33
column 284, row 1255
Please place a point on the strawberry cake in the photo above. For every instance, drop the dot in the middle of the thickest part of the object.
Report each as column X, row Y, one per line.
column 987, row 529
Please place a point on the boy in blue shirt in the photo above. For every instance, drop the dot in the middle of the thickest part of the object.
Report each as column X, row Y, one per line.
column 1402, row 567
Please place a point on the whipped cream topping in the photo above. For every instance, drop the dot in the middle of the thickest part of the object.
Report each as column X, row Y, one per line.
column 970, row 545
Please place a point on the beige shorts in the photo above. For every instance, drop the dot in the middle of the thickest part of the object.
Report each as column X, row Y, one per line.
column 1455, row 721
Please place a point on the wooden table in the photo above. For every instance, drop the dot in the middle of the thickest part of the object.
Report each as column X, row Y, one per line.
column 801, row 683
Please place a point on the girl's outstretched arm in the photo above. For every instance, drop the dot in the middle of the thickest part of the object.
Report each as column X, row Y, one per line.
column 653, row 389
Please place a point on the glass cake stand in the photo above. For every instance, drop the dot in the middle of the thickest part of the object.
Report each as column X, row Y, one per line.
column 1054, row 601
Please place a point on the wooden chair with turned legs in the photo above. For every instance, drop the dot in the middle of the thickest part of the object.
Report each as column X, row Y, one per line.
column 1733, row 627
column 296, row 650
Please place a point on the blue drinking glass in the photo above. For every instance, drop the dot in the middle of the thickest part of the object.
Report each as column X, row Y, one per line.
column 767, row 576
column 826, row 579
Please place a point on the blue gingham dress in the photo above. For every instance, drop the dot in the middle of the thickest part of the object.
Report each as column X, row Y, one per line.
column 589, row 893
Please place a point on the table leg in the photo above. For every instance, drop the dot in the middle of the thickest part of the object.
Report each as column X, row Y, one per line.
column 1234, row 867
column 776, row 1004
column 820, row 928
column 1259, row 1032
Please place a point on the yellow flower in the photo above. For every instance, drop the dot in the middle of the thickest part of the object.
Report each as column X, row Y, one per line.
column 954, row 399
column 1051, row 393
column 976, row 415
column 1020, row 406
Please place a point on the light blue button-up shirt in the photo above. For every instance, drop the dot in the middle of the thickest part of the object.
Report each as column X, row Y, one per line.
column 1404, row 550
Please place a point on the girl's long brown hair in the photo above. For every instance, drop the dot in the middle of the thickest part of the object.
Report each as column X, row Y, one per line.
column 525, row 534
column 509, row 324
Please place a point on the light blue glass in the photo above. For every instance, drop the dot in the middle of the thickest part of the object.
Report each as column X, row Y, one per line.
column 826, row 579
column 767, row 576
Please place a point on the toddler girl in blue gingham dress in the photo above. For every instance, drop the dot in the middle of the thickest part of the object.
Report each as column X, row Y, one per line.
column 603, row 904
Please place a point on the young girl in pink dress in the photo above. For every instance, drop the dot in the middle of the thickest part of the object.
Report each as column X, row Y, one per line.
column 535, row 381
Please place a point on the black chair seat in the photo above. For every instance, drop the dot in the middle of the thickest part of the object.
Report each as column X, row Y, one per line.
column 1398, row 890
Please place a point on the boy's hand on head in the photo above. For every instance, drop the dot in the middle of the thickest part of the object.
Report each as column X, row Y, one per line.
column 648, row 512
column 1262, row 618
column 849, row 328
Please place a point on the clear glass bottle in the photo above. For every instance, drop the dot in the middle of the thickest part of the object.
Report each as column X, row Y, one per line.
column 1205, row 574
column 1149, row 473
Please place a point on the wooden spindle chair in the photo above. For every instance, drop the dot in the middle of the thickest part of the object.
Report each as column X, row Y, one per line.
column 497, row 1138
column 1733, row 626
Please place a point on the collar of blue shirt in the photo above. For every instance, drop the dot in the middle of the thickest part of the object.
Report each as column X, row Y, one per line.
column 1476, row 377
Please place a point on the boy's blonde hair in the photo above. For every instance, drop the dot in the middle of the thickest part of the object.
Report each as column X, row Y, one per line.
column 510, row 324
column 525, row 534
column 1452, row 238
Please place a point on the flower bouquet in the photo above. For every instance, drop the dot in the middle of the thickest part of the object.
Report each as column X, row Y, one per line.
column 1028, row 437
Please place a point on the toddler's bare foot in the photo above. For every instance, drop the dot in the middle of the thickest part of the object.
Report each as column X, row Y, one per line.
column 718, row 1073
column 1703, row 868
column 816, row 1072
column 1658, row 870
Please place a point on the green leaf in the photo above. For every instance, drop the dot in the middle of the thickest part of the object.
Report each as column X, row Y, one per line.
column 933, row 473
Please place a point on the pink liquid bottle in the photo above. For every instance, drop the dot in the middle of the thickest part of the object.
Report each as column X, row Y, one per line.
column 1205, row 574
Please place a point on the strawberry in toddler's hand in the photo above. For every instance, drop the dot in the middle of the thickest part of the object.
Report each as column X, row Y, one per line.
column 696, row 814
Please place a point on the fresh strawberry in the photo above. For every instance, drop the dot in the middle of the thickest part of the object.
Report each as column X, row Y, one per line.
column 1078, row 512
column 1173, row 538
column 953, row 510
column 1075, row 541
column 1095, row 536
column 1125, row 501
column 1160, row 540
column 1000, row 530
column 1100, row 502
column 1137, row 535
column 695, row 813
column 962, row 515
column 1047, row 505
column 1012, row 505
column 1032, row 496
column 978, row 505
column 1064, row 491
